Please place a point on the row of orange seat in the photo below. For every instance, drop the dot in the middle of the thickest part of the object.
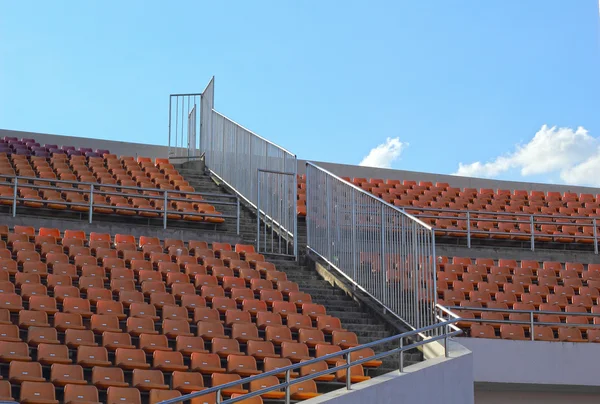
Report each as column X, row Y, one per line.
column 107, row 170
column 162, row 305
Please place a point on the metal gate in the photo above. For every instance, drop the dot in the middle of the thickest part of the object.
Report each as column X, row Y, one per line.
column 276, row 221
column 184, row 125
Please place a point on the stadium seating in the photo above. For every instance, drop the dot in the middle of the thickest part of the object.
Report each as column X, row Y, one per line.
column 493, row 214
column 571, row 289
column 110, row 175
column 131, row 325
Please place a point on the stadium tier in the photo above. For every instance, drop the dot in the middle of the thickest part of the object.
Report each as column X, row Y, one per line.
column 62, row 179
column 486, row 214
column 99, row 317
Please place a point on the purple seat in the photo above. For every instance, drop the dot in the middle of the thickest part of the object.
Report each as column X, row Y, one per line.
column 50, row 146
column 32, row 144
column 8, row 138
column 7, row 150
column 26, row 140
column 56, row 151
column 22, row 152
column 102, row 152
column 41, row 153
column 67, row 148
column 92, row 154
column 37, row 148
column 74, row 153
column 85, row 149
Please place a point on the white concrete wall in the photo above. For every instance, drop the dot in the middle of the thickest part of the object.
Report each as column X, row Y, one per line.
column 440, row 380
column 534, row 362
column 453, row 180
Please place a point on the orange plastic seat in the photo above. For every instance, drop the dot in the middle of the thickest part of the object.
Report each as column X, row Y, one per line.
column 61, row 375
column 146, row 380
column 19, row 372
column 261, row 349
column 244, row 366
column 225, row 378
column 206, row 363
column 315, row 368
column 117, row 395
column 168, row 361
column 38, row 392
column 131, row 359
column 48, row 354
column 39, row 335
column 75, row 394
column 114, row 340
column 89, row 356
column 105, row 377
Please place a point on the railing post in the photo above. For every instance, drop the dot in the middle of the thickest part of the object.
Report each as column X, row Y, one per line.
column 91, row 199
column 532, row 233
column 353, row 245
column 531, row 326
column 14, row 212
column 348, row 378
column 384, row 274
column 257, row 210
column 166, row 203
column 401, row 358
column 287, row 387
column 595, row 237
column 238, row 216
column 446, row 353
column 468, row 229
column 218, row 401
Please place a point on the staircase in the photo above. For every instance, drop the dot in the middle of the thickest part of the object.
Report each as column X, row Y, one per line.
column 355, row 317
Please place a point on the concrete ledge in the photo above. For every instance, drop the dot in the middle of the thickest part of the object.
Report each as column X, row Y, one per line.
column 440, row 380
column 121, row 228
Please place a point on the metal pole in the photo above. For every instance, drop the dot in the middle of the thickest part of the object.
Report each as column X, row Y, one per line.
column 532, row 233
column 218, row 396
column 295, row 208
column 446, row 353
column 238, row 216
column 287, row 387
column 348, row 377
column 401, row 358
column 166, row 202
column 258, row 210
column 595, row 237
column 353, row 246
column 169, row 150
column 531, row 324
column 14, row 212
column 90, row 213
column 468, row 229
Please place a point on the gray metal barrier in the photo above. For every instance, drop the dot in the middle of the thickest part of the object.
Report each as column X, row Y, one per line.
column 91, row 191
column 236, row 155
column 441, row 330
column 379, row 248
column 184, row 125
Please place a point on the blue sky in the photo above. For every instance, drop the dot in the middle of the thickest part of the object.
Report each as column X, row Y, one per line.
column 455, row 81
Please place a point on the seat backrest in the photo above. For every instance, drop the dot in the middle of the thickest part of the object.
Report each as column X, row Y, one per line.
column 158, row 396
column 35, row 391
column 76, row 393
column 66, row 372
column 240, row 362
column 167, row 357
column 19, row 369
column 128, row 395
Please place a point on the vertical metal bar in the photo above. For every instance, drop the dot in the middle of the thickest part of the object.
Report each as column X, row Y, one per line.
column 348, row 377
column 446, row 353
column 218, row 396
column 327, row 200
column 595, row 236
column 532, row 233
column 353, row 247
column 531, row 331
column 165, row 209
column 401, row 358
column 385, row 276
column 287, row 387
column 237, row 229
column 169, row 150
column 258, row 210
column 177, row 124
column 294, row 208
column 91, row 198
column 468, row 229
column 182, row 123
column 14, row 210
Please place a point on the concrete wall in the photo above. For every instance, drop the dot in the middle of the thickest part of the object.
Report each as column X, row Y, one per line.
column 116, row 147
column 453, row 180
column 534, row 397
column 440, row 380
column 534, row 362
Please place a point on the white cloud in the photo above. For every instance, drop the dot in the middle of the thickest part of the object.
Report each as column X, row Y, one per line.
column 383, row 155
column 571, row 153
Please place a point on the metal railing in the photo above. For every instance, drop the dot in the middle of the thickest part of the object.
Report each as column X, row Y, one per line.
column 442, row 332
column 237, row 155
column 529, row 221
column 348, row 227
column 532, row 318
column 184, row 125
column 90, row 190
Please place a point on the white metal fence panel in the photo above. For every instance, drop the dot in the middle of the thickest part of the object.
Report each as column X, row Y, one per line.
column 382, row 250
column 236, row 154
column 183, row 125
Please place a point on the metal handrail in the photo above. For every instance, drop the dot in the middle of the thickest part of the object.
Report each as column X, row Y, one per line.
column 370, row 195
column 24, row 182
column 349, row 363
column 532, row 322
